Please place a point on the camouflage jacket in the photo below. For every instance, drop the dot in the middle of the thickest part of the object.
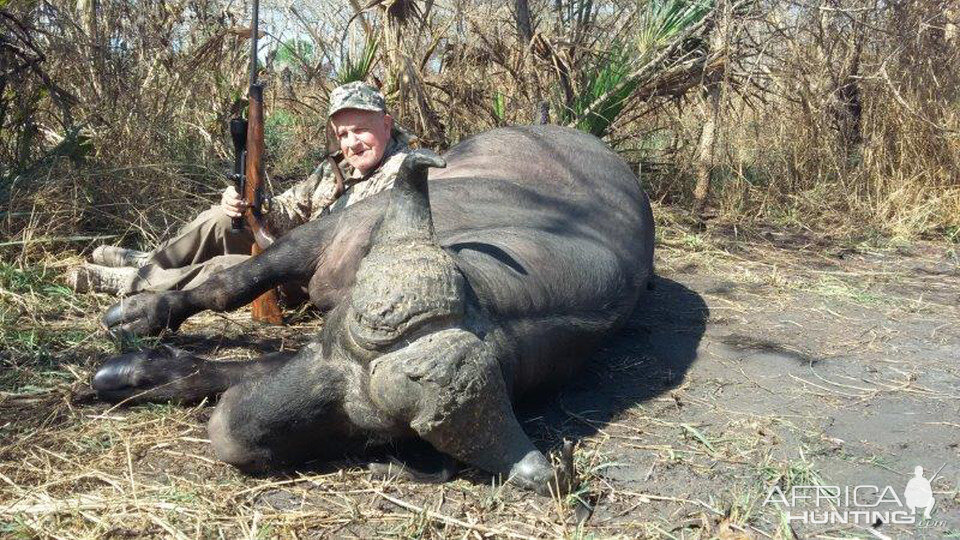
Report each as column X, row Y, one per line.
column 316, row 195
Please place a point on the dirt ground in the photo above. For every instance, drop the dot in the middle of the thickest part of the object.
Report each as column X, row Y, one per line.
column 756, row 371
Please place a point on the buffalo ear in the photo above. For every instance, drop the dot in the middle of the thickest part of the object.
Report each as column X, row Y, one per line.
column 423, row 158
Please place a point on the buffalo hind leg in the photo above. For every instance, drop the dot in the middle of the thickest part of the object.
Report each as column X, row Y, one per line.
column 309, row 408
column 449, row 388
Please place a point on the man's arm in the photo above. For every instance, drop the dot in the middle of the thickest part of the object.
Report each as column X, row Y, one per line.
column 302, row 202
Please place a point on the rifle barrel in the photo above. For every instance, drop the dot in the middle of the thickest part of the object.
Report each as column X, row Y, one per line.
column 254, row 34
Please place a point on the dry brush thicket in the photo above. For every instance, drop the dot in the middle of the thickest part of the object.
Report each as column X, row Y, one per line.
column 839, row 116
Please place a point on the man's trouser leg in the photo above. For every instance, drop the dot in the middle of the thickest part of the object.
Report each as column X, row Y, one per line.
column 204, row 246
column 152, row 278
column 207, row 236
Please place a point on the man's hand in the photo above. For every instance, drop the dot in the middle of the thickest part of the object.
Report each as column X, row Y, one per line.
column 232, row 204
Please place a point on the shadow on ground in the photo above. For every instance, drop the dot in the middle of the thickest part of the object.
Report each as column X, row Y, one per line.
column 648, row 357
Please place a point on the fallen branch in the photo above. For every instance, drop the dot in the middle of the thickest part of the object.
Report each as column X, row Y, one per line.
column 452, row 521
column 54, row 239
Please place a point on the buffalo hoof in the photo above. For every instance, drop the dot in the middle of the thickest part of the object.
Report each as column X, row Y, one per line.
column 535, row 473
column 164, row 374
column 146, row 314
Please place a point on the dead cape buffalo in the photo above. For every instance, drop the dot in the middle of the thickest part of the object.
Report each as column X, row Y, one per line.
column 448, row 299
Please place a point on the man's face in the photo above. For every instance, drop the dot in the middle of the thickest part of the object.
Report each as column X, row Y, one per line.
column 363, row 136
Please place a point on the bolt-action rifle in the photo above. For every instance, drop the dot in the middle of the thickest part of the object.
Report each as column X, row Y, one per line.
column 248, row 174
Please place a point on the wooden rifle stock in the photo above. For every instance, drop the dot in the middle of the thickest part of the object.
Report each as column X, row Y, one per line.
column 265, row 308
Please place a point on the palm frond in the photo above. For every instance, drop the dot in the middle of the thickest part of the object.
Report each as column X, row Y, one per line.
column 663, row 20
column 615, row 75
column 352, row 69
column 604, row 91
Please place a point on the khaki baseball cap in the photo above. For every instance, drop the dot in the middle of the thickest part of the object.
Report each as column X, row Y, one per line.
column 356, row 95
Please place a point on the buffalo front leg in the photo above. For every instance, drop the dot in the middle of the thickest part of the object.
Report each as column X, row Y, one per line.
column 292, row 259
column 449, row 388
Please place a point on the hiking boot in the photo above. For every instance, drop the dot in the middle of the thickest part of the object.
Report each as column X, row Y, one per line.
column 96, row 278
column 116, row 257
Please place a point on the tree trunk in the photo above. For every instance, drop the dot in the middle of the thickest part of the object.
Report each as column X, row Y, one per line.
column 524, row 28
column 541, row 113
column 705, row 151
column 719, row 46
column 848, row 112
column 87, row 10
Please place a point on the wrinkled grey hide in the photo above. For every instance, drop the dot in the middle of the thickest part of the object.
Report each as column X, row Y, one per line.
column 448, row 299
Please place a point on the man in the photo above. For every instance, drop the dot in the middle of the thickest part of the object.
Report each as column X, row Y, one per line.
column 373, row 149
